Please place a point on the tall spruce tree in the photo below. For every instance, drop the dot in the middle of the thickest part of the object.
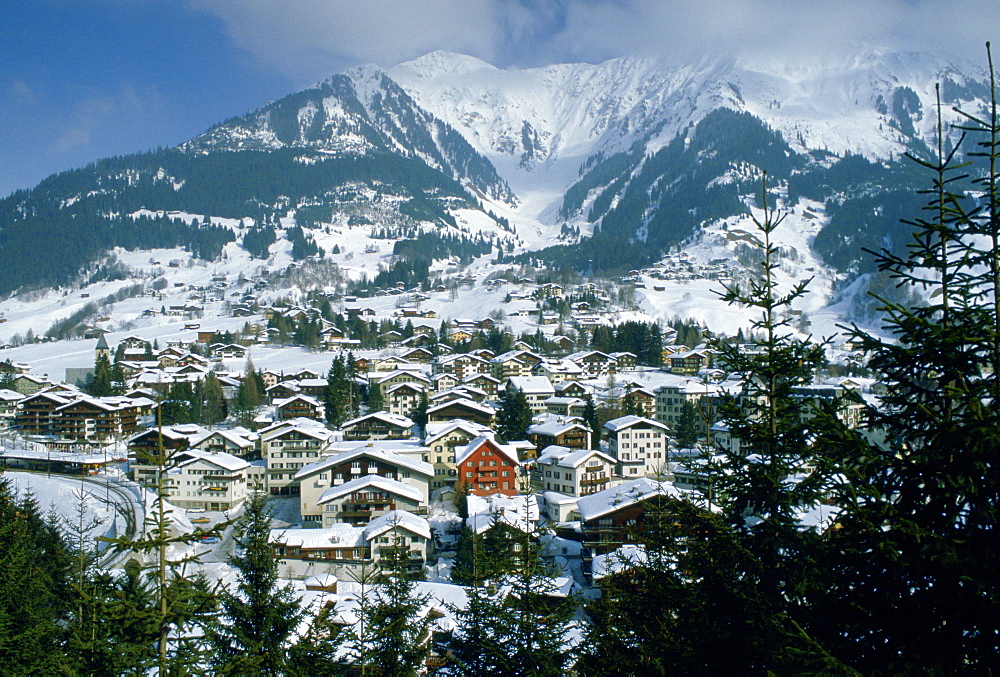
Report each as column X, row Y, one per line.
column 770, row 477
column 514, row 415
column 257, row 620
column 518, row 628
column 915, row 585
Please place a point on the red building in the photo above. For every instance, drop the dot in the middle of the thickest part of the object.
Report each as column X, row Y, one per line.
column 487, row 467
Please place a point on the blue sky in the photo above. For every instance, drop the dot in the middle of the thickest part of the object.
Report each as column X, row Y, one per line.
column 86, row 79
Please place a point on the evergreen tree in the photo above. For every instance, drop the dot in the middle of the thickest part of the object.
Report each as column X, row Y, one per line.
column 215, row 409
column 34, row 576
column 919, row 548
column 687, row 429
column 419, row 415
column 514, row 414
column 101, row 383
column 249, row 396
column 336, row 398
column 256, row 620
column 769, row 477
column 521, row 630
column 399, row 629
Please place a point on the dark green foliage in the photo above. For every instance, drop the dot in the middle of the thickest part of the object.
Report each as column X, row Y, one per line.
column 256, row 621
column 256, row 242
column 600, row 172
column 522, row 633
column 918, row 551
column 431, row 245
column 688, row 429
column 642, row 339
column 338, row 397
column 419, row 414
column 101, row 382
column 34, row 587
column 513, row 415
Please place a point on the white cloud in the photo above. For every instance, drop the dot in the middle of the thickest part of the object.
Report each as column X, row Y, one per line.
column 309, row 39
column 102, row 116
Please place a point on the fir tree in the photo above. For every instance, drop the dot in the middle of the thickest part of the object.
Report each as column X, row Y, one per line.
column 257, row 619
column 919, row 548
column 419, row 415
column 769, row 477
column 514, row 414
column 518, row 630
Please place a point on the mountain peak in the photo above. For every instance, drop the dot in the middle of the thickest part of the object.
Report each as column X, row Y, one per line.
column 439, row 62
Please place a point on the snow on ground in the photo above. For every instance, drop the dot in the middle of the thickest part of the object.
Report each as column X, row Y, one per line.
column 63, row 495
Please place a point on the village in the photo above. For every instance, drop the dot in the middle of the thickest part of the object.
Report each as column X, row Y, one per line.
column 421, row 434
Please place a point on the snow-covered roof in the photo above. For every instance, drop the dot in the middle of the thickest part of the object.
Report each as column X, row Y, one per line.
column 532, row 385
column 554, row 427
column 398, row 519
column 391, row 419
column 624, row 422
column 338, row 535
column 617, row 561
column 371, row 451
column 219, row 458
column 377, row 481
column 463, row 402
column 505, row 449
column 624, row 494
column 570, row 458
column 438, row 429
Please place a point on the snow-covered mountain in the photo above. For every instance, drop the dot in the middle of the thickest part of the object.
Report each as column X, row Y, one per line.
column 540, row 125
column 601, row 167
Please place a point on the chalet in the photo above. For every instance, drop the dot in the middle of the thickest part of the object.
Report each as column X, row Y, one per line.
column 281, row 391
column 461, row 365
column 228, row 351
column 402, row 398
column 593, row 362
column 514, row 363
column 574, row 472
column 8, row 407
column 624, row 360
column 209, row 480
column 379, row 425
column 465, row 409
column 443, row 438
column 689, row 362
column 298, row 406
column 639, row 446
column 536, row 389
column 444, row 381
column 617, row 515
column 358, row 501
column 418, row 356
column 484, row 382
column 366, row 459
column 560, row 371
column 385, row 380
column 487, row 467
column 346, row 551
column 571, row 434
column 565, row 406
column 642, row 399
column 96, row 418
column 287, row 446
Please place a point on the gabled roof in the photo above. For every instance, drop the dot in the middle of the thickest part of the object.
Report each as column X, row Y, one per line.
column 438, row 429
column 465, row 403
column 629, row 421
column 474, row 445
column 570, row 458
column 220, row 459
column 392, row 419
column 623, row 495
column 553, row 428
column 339, row 535
column 377, row 481
column 398, row 519
column 370, row 451
column 532, row 385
